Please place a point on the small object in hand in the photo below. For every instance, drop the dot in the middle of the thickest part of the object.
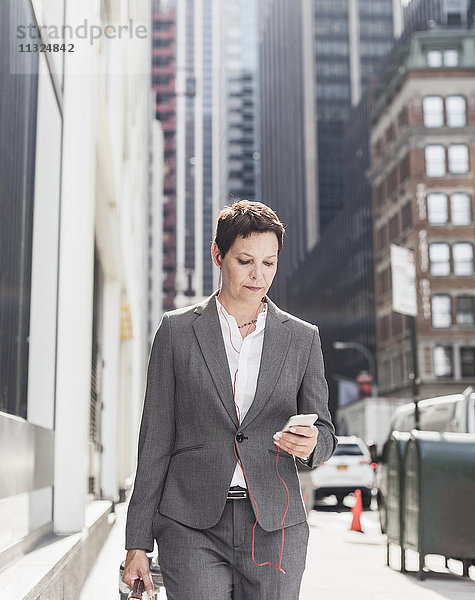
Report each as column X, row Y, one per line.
column 137, row 590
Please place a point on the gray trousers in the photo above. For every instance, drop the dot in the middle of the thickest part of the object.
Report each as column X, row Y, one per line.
column 216, row 563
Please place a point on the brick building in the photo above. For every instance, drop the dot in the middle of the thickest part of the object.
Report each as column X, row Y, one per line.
column 422, row 176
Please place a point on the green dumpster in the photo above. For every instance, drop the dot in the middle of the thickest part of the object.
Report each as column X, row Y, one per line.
column 395, row 452
column 439, row 493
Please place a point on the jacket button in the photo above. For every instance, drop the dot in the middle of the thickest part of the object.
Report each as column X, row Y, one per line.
column 239, row 437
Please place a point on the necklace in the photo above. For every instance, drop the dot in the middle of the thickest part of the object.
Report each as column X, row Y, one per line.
column 250, row 322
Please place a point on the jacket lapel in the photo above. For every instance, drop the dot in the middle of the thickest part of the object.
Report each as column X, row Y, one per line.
column 274, row 351
column 208, row 331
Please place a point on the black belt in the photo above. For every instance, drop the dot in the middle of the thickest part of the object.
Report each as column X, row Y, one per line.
column 237, row 493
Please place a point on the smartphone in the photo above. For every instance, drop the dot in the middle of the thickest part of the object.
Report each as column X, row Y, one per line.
column 300, row 420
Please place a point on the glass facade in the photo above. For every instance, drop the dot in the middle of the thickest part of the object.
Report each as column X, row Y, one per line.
column 18, row 112
column 340, row 33
column 208, row 217
column 30, row 162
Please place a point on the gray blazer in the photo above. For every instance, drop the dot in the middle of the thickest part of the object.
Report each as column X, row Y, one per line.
column 189, row 423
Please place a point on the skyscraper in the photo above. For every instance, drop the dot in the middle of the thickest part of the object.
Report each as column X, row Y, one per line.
column 238, row 48
column 288, row 129
column 236, row 165
column 163, row 83
column 351, row 37
column 316, row 59
column 217, row 152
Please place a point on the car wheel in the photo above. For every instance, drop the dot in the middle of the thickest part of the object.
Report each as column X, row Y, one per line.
column 366, row 497
column 383, row 517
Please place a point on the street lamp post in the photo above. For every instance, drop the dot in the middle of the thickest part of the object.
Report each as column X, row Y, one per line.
column 366, row 353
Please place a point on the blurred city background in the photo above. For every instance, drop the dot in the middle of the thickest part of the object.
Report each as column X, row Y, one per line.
column 353, row 119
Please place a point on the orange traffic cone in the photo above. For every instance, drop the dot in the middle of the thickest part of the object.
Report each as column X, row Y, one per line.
column 357, row 510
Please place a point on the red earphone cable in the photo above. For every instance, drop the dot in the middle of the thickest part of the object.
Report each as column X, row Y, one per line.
column 279, row 568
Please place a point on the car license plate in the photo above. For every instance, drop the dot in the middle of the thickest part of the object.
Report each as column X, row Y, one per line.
column 341, row 467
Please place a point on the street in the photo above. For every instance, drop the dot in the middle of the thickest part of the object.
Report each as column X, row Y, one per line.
column 341, row 564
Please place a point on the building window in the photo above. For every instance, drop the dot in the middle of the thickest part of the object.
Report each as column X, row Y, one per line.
column 443, row 361
column 397, row 323
column 451, row 58
column 467, row 361
column 406, row 215
column 465, row 311
column 333, row 90
column 403, row 118
column 463, row 258
column 161, row 79
column 393, row 227
column 441, row 311
column 405, row 168
column 460, row 209
column 435, row 160
column 434, row 59
column 391, row 182
column 398, row 369
column 333, row 47
column 162, row 25
column 437, row 209
column 439, row 58
column 433, row 109
column 374, row 47
column 383, row 328
column 390, row 133
column 439, row 259
column 326, row 26
column 456, row 111
column 458, row 158
column 382, row 237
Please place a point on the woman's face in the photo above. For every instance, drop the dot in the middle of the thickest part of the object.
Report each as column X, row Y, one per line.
column 249, row 266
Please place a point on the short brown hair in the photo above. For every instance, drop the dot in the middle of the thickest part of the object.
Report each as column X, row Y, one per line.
column 243, row 218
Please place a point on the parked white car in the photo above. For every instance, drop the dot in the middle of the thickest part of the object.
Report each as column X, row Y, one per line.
column 349, row 468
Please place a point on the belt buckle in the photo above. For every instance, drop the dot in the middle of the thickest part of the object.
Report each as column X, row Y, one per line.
column 236, row 495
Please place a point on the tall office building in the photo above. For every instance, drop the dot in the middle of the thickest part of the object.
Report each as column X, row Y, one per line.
column 351, row 37
column 316, row 59
column 288, row 129
column 215, row 156
column 335, row 290
column 182, row 73
column 339, row 294
column 163, row 83
column 237, row 47
column 235, row 129
column 194, row 150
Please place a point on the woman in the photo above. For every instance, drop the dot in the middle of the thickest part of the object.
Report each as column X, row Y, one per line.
column 216, row 481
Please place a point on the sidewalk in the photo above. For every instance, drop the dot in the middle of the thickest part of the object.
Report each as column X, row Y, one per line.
column 344, row 564
column 341, row 565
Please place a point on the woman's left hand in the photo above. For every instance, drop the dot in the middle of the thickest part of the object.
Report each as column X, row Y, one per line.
column 300, row 442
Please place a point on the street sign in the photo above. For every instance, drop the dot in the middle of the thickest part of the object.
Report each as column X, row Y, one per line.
column 403, row 274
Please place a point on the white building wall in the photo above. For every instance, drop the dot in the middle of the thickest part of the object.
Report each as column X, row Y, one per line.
column 76, row 278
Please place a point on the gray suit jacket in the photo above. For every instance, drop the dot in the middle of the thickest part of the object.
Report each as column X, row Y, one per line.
column 189, row 423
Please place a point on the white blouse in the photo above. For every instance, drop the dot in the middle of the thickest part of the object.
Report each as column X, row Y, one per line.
column 247, row 362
